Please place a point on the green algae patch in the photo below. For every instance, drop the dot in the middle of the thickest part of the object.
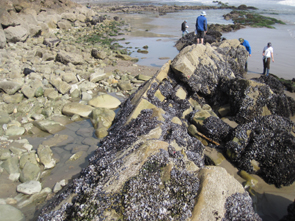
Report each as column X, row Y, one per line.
column 254, row 19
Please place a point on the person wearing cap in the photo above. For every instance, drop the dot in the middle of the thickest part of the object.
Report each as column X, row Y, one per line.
column 184, row 27
column 246, row 44
column 267, row 53
column 201, row 27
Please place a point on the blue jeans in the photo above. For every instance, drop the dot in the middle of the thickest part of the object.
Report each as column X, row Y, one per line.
column 184, row 32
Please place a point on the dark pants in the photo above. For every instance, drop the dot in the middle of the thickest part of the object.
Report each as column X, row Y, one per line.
column 266, row 64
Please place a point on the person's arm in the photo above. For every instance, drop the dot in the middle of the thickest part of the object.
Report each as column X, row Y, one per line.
column 249, row 49
column 273, row 60
column 205, row 25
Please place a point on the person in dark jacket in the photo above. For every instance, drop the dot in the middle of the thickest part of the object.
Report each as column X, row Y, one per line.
column 184, row 27
column 246, row 44
column 201, row 27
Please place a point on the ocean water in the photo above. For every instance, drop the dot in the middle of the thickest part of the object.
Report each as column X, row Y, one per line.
column 161, row 33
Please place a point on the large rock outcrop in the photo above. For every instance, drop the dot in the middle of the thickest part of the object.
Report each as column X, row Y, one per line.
column 149, row 166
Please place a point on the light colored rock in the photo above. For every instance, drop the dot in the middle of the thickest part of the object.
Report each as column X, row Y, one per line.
column 69, row 78
column 35, row 198
column 67, row 57
column 102, row 117
column 143, row 77
column 9, row 87
column 49, row 126
column 2, row 38
column 31, row 171
column 216, row 185
column 69, row 16
column 15, row 98
column 125, row 85
column 16, row 34
column 97, row 76
column 105, row 101
column 64, row 25
column 4, row 118
column 15, row 131
column 61, row 86
column 10, row 213
column 29, row 187
column 77, row 108
column 45, row 155
column 11, row 165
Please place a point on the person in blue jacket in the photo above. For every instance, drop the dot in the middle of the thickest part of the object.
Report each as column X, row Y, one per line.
column 246, row 44
column 201, row 27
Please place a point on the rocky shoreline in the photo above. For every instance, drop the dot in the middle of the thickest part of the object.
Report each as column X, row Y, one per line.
column 52, row 73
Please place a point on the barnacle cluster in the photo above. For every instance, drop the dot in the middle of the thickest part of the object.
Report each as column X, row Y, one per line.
column 268, row 140
column 239, row 207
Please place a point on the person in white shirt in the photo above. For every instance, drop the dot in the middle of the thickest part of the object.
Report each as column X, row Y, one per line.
column 267, row 54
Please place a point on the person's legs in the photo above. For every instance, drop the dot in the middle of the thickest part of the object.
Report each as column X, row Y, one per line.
column 264, row 65
column 202, row 37
column 198, row 37
column 267, row 66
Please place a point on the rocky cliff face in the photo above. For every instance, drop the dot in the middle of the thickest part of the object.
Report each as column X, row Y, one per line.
column 151, row 166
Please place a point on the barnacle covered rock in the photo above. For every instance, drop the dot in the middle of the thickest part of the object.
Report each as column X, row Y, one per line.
column 149, row 167
column 270, row 142
column 251, row 98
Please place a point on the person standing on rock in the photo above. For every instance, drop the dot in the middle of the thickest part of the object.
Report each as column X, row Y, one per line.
column 246, row 44
column 184, row 27
column 267, row 53
column 201, row 27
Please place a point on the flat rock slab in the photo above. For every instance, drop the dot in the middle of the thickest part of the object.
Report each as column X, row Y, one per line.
column 105, row 101
column 9, row 87
column 30, row 187
column 77, row 108
column 9, row 213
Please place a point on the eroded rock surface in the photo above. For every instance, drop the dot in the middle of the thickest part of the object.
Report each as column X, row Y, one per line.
column 149, row 166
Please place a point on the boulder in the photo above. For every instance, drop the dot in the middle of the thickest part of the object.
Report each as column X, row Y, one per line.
column 64, row 25
column 62, row 86
column 69, row 16
column 2, row 38
column 67, row 57
column 105, row 101
column 49, row 126
column 9, row 87
column 77, row 108
column 9, row 213
column 29, row 187
column 98, row 54
column 45, row 155
column 265, row 147
column 251, row 98
column 30, row 172
column 16, row 34
column 201, row 67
